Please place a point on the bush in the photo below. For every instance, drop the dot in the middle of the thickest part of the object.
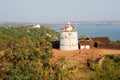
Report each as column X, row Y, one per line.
column 110, row 69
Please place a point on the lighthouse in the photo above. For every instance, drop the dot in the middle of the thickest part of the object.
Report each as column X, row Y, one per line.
column 68, row 38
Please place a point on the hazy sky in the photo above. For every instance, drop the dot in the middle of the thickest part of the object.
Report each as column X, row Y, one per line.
column 44, row 11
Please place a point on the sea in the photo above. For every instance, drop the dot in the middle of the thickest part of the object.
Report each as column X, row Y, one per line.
column 94, row 30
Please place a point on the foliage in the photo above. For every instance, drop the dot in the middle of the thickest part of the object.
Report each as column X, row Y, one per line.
column 82, row 37
column 116, row 42
column 110, row 69
column 27, row 53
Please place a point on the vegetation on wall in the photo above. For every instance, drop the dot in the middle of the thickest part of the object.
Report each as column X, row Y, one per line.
column 82, row 37
column 116, row 42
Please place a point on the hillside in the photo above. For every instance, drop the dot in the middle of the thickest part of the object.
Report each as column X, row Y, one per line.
column 27, row 54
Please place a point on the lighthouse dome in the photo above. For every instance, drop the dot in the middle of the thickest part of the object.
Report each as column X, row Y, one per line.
column 68, row 27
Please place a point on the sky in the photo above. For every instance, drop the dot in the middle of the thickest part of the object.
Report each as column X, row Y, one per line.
column 48, row 11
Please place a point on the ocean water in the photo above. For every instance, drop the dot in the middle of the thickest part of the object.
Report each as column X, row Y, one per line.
column 111, row 31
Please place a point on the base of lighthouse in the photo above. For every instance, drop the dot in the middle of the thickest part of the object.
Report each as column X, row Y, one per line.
column 69, row 40
column 68, row 47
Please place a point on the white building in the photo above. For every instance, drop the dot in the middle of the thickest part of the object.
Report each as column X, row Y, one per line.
column 84, row 44
column 68, row 38
column 36, row 26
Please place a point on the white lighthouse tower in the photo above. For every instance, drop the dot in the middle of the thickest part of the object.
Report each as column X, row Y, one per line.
column 68, row 38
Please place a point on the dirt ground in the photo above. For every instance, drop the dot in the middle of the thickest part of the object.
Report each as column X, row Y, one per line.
column 78, row 55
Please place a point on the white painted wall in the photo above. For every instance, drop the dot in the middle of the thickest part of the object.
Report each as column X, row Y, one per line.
column 82, row 47
column 87, row 47
column 68, row 40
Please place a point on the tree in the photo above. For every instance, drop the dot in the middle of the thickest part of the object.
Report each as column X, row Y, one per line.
column 82, row 37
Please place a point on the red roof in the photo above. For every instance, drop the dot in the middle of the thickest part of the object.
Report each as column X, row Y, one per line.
column 104, row 40
column 84, row 42
column 67, row 26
